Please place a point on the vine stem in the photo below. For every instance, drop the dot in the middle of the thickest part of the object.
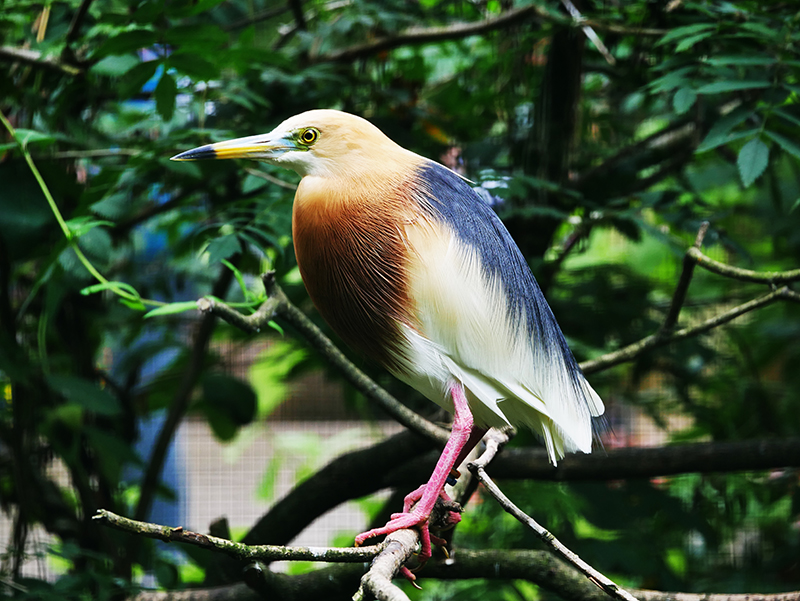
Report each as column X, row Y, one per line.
column 72, row 240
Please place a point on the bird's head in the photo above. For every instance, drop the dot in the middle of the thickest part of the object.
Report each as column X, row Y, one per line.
column 320, row 143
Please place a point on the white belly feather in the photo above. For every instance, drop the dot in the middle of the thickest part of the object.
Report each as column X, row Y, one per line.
column 467, row 334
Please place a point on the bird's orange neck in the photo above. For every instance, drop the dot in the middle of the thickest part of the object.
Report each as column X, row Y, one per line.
column 348, row 240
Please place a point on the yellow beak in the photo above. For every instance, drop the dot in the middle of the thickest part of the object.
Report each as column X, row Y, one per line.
column 260, row 147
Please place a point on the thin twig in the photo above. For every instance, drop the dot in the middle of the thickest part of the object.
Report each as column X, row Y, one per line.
column 423, row 35
column 238, row 550
column 744, row 275
column 77, row 21
column 180, row 402
column 635, row 349
column 270, row 178
column 277, row 304
column 495, row 439
column 679, row 297
column 589, row 32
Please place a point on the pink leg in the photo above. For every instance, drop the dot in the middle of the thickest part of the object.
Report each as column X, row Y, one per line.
column 426, row 495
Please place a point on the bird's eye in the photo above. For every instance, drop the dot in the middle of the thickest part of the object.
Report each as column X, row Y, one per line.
column 309, row 136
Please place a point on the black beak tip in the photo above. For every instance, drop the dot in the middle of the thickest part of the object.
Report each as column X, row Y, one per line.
column 196, row 154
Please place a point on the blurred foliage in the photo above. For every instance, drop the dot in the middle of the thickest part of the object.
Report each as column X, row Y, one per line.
column 603, row 173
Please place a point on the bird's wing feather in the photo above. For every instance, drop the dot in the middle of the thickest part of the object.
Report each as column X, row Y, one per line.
column 484, row 320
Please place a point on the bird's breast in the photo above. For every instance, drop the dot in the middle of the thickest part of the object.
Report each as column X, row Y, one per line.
column 353, row 258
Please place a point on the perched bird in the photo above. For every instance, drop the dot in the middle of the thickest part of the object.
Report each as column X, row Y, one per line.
column 411, row 268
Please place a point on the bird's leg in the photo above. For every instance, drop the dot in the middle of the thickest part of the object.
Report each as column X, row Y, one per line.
column 426, row 496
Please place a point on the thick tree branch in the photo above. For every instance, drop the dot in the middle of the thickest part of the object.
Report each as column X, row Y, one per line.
column 377, row 582
column 650, row 462
column 538, row 567
column 278, row 305
column 495, row 440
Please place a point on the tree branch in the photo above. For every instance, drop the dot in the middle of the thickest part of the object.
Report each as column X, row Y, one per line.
column 650, row 462
column 278, row 305
column 495, row 440
column 679, row 297
column 538, row 567
column 424, row 35
column 238, row 550
column 632, row 351
column 377, row 581
column 34, row 57
column 77, row 21
column 180, row 403
column 744, row 275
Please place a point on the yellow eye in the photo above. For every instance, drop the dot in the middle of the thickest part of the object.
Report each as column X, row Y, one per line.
column 309, row 136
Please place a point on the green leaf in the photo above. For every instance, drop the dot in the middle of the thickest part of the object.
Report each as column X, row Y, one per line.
column 109, row 286
column 731, row 86
column 762, row 29
column 193, row 65
column 683, row 100
column 239, row 277
column 115, row 65
column 165, row 93
column 172, row 309
column 251, row 183
column 670, row 81
column 125, row 42
column 30, row 136
column 85, row 394
column 788, row 145
column 223, row 247
column 752, row 160
column 235, row 398
column 711, row 143
column 133, row 81
column 687, row 43
column 785, row 114
column 200, row 37
column 718, row 134
column 740, row 60
column 685, row 31
column 81, row 225
column 795, row 205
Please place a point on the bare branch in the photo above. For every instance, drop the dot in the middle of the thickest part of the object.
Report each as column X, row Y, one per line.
column 632, row 351
column 424, row 35
column 538, row 567
column 77, row 21
column 180, row 402
column 377, row 582
column 237, row 550
column 621, row 464
column 277, row 304
column 679, row 297
column 494, row 442
column 745, row 275
column 34, row 57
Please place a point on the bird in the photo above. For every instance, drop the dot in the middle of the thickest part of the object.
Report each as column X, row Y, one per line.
column 413, row 269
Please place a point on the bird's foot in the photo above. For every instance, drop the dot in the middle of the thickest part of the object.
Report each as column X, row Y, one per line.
column 444, row 519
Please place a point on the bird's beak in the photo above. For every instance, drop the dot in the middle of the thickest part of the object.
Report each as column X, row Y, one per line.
column 262, row 147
